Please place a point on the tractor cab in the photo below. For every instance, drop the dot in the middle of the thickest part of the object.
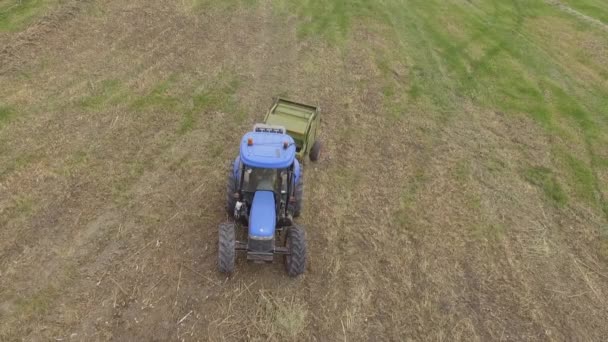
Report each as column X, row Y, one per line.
column 267, row 163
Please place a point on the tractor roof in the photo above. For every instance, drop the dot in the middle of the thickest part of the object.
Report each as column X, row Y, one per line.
column 267, row 150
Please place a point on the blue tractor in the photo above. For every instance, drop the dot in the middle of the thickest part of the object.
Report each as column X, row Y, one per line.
column 264, row 194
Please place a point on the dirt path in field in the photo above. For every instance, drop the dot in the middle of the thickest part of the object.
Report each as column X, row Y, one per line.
column 418, row 225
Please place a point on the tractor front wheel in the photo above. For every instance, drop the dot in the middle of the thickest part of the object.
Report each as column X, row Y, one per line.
column 295, row 261
column 226, row 248
column 315, row 151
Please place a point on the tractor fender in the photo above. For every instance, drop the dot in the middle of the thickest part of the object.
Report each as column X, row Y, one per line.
column 235, row 167
column 296, row 171
column 263, row 216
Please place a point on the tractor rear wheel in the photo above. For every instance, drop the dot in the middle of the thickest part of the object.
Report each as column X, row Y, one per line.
column 226, row 248
column 230, row 191
column 315, row 151
column 295, row 261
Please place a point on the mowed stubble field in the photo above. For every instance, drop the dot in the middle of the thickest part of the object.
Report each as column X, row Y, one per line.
column 462, row 193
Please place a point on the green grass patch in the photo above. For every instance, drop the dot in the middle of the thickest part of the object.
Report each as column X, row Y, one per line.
column 131, row 172
column 494, row 164
column 21, row 161
column 16, row 14
column 6, row 112
column 547, row 182
column 568, row 106
column 178, row 94
column 103, row 94
column 76, row 162
column 388, row 91
column 158, row 98
column 37, row 304
column 218, row 4
column 488, row 232
column 583, row 181
column 518, row 57
column 329, row 19
column 479, row 51
column 604, row 246
column 462, row 171
column 407, row 207
column 24, row 205
column 414, row 92
column 220, row 97
column 20, row 207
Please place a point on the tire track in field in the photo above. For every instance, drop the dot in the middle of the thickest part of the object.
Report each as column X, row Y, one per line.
column 565, row 8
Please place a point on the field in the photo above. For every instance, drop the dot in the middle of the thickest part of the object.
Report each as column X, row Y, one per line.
column 462, row 193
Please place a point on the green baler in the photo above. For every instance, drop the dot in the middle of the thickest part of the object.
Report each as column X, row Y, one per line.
column 301, row 122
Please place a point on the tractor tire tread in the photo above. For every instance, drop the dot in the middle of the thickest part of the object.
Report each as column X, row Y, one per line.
column 297, row 256
column 226, row 248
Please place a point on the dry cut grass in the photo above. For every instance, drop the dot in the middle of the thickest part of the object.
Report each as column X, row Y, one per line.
column 461, row 195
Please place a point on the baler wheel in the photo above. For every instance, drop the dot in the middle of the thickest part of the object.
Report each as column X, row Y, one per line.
column 315, row 151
